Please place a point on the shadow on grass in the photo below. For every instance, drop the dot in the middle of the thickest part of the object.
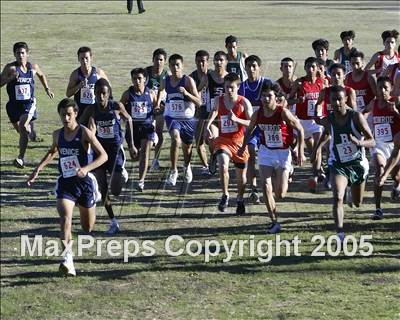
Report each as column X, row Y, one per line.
column 302, row 264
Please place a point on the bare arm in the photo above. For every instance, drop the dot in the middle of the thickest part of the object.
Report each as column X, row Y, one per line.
column 8, row 74
column 373, row 60
column 362, row 124
column 322, row 140
column 190, row 91
column 46, row 159
column 336, row 56
column 248, row 109
column 43, row 80
column 74, row 85
column 101, row 155
column 372, row 83
column 125, row 98
column 128, row 124
column 351, row 99
column 392, row 161
column 293, row 122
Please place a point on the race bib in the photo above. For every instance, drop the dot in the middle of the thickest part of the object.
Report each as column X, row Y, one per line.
column 69, row 166
column 105, row 132
column 87, row 95
column 177, row 108
column 273, row 139
column 22, row 92
column 311, row 108
column 383, row 132
column 227, row 125
column 139, row 110
column 347, row 151
column 360, row 103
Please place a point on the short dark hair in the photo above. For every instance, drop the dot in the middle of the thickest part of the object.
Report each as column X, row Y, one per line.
column 320, row 43
column 253, row 58
column 83, row 50
column 232, row 77
column 102, row 83
column 390, row 34
column 158, row 52
column 270, row 86
column 221, row 53
column 383, row 79
column 202, row 53
column 310, row 60
column 139, row 71
column 66, row 103
column 174, row 57
column 20, row 45
column 230, row 39
column 336, row 89
column 287, row 59
column 337, row 66
column 350, row 34
column 357, row 54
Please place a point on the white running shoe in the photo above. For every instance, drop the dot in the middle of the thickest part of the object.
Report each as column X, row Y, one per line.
column 113, row 228
column 188, row 174
column 19, row 163
column 125, row 175
column 155, row 165
column 67, row 266
column 140, row 186
column 173, row 176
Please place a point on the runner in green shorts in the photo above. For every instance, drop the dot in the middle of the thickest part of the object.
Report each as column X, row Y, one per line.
column 350, row 135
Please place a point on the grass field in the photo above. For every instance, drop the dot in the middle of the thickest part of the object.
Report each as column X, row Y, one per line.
column 185, row 287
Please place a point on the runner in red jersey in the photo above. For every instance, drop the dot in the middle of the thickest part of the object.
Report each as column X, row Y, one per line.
column 361, row 81
column 276, row 125
column 386, row 124
column 304, row 94
column 233, row 113
column 382, row 59
column 323, row 106
column 286, row 82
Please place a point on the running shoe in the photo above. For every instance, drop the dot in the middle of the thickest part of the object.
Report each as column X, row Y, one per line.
column 140, row 186
column 240, row 208
column 378, row 215
column 188, row 174
column 254, row 197
column 113, row 228
column 173, row 176
column 223, row 204
column 67, row 266
column 273, row 228
column 19, row 163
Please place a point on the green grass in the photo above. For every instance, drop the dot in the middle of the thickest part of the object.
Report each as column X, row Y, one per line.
column 184, row 287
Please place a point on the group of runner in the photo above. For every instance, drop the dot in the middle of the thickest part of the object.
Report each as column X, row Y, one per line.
column 231, row 110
